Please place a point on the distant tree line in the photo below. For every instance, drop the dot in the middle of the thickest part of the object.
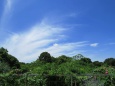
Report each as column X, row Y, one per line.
column 46, row 57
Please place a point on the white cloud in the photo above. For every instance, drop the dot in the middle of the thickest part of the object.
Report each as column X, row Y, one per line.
column 6, row 13
column 66, row 48
column 94, row 44
column 8, row 4
column 27, row 46
column 55, row 45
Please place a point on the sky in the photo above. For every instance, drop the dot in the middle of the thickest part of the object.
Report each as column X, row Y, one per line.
column 60, row 27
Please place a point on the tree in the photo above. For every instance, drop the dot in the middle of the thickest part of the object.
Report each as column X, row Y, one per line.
column 45, row 56
column 13, row 62
column 3, row 54
column 9, row 59
column 62, row 59
column 86, row 60
column 110, row 61
column 78, row 57
column 97, row 63
column 4, row 67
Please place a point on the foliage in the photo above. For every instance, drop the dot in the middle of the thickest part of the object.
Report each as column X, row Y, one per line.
column 110, row 61
column 4, row 67
column 78, row 57
column 62, row 59
column 100, row 70
column 86, row 60
column 97, row 63
column 45, row 56
column 51, row 71
column 8, row 59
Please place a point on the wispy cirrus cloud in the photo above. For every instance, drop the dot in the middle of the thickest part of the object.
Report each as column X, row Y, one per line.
column 8, row 5
column 27, row 46
column 70, row 49
column 94, row 44
column 45, row 36
column 6, row 12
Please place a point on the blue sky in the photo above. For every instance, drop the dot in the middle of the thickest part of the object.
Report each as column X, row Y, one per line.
column 70, row 27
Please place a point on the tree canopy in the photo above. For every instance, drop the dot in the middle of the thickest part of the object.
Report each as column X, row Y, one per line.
column 45, row 56
column 110, row 61
column 86, row 60
column 9, row 59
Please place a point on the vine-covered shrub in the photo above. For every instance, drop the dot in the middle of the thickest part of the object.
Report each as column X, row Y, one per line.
column 100, row 70
column 109, row 81
column 21, row 80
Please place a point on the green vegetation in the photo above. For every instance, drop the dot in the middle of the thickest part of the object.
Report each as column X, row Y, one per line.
column 50, row 71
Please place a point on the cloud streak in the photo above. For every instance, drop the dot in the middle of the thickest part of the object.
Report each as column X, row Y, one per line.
column 27, row 46
column 45, row 36
column 6, row 12
column 8, row 5
column 94, row 44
